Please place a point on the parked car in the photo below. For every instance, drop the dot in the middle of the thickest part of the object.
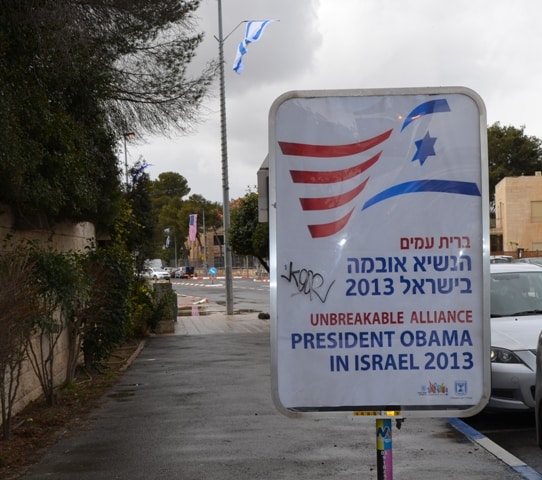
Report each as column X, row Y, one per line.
column 516, row 321
column 155, row 273
column 533, row 260
column 501, row 259
column 179, row 272
column 538, row 392
column 184, row 272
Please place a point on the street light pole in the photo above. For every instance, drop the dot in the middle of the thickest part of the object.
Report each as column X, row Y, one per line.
column 205, row 258
column 125, row 136
column 228, row 275
column 175, row 239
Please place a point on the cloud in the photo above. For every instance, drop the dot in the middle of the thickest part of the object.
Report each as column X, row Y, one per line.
column 485, row 45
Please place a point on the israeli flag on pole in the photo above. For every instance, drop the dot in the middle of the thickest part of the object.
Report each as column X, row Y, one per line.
column 253, row 33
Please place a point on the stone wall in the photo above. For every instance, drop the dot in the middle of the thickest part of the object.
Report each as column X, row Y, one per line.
column 29, row 388
column 63, row 237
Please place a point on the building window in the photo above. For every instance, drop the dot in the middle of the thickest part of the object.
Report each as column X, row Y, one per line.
column 536, row 212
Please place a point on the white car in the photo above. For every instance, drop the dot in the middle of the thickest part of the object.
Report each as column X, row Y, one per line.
column 516, row 321
column 156, row 274
column 533, row 260
column 538, row 392
column 501, row 259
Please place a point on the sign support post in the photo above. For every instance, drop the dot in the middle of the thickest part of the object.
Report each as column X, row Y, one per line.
column 384, row 463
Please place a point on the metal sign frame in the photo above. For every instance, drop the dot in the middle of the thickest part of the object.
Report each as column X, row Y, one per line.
column 379, row 238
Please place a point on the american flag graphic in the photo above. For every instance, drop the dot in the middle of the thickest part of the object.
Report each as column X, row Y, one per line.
column 353, row 198
column 192, row 226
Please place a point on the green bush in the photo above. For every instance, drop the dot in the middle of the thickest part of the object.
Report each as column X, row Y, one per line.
column 165, row 305
column 141, row 308
column 107, row 316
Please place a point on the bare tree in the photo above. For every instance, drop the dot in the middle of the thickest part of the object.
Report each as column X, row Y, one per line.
column 60, row 290
column 17, row 306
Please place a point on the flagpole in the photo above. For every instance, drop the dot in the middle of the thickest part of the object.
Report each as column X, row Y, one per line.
column 228, row 275
column 175, row 237
column 224, row 143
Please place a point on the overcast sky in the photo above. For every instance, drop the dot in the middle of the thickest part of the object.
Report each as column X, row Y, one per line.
column 490, row 46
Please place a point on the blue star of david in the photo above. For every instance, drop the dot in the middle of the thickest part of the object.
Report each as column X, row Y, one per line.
column 424, row 148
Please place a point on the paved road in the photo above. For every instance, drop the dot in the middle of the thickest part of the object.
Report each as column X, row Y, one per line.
column 515, row 432
column 248, row 295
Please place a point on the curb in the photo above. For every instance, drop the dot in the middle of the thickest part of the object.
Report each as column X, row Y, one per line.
column 197, row 307
column 235, row 277
column 484, row 442
column 134, row 355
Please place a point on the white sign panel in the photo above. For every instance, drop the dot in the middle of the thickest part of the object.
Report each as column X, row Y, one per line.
column 379, row 250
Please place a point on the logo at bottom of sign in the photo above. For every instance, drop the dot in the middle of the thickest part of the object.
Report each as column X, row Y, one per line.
column 440, row 388
column 460, row 388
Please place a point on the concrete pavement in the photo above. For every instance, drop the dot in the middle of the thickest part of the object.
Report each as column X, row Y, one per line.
column 196, row 405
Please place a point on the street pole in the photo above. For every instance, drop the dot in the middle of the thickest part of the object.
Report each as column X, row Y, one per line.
column 175, row 238
column 205, row 258
column 125, row 136
column 125, row 163
column 225, row 182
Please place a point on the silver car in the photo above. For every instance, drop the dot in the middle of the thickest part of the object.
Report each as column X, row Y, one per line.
column 533, row 260
column 155, row 274
column 538, row 392
column 516, row 321
column 501, row 259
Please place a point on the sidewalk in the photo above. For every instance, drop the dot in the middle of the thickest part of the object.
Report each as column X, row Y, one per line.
column 196, row 405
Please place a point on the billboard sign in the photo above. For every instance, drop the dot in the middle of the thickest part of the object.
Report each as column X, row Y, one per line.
column 379, row 251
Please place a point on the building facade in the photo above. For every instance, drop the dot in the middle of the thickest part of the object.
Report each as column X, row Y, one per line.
column 518, row 215
column 208, row 251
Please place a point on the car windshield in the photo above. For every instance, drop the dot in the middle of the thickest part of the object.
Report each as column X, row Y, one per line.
column 516, row 293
